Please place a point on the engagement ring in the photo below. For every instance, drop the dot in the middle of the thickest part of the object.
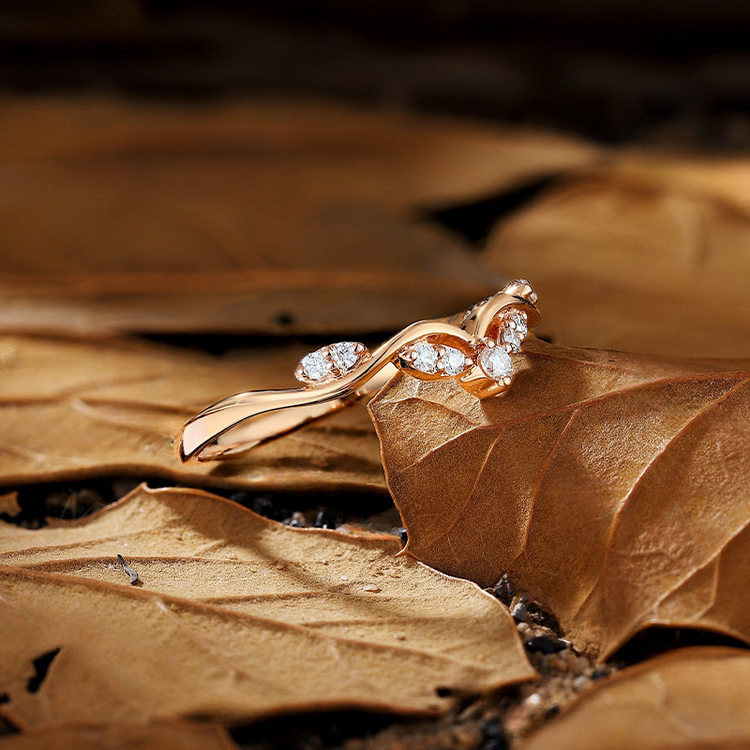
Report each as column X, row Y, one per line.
column 474, row 347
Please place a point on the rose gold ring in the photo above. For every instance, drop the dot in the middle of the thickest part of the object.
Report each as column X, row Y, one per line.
column 473, row 347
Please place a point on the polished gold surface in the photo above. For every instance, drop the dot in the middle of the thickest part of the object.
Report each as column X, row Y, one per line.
column 242, row 421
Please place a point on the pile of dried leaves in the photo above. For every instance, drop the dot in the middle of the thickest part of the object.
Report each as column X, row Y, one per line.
column 579, row 530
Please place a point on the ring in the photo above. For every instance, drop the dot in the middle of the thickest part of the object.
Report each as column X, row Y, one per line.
column 472, row 347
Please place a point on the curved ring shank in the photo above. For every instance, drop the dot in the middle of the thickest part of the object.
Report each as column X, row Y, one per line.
column 240, row 422
column 235, row 428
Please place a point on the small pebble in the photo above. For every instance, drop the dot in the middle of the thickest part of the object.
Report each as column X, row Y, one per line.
column 371, row 588
column 524, row 630
column 297, row 520
column 519, row 608
column 503, row 590
column 325, row 519
column 545, row 644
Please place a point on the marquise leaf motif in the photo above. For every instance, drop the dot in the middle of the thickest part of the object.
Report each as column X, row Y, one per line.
column 424, row 357
column 329, row 363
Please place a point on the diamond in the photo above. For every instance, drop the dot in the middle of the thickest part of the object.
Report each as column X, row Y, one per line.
column 495, row 362
column 520, row 322
column 453, row 361
column 512, row 338
column 315, row 367
column 513, row 330
column 345, row 356
column 425, row 358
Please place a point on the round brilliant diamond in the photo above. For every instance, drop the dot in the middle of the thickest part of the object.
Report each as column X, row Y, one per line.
column 495, row 362
column 453, row 361
column 512, row 338
column 521, row 325
column 316, row 366
column 425, row 358
column 344, row 356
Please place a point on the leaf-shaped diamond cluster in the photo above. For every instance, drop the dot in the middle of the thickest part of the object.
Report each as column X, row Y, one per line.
column 331, row 362
column 429, row 358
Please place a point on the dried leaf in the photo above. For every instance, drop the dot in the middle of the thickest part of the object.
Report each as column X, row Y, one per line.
column 611, row 487
column 256, row 217
column 123, row 736
column 255, row 617
column 690, row 699
column 648, row 256
column 74, row 409
column 726, row 179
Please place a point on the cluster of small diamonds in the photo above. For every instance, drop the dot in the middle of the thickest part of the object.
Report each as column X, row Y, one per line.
column 492, row 354
column 513, row 329
column 331, row 362
column 435, row 359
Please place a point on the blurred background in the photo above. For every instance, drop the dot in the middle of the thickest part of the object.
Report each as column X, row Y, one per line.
column 321, row 167
column 614, row 70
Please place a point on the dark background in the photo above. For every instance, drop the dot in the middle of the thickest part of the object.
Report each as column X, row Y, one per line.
column 650, row 71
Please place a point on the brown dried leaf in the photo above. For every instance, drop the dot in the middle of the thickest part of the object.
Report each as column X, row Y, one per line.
column 255, row 617
column 73, row 409
column 651, row 255
column 611, row 487
column 726, row 179
column 256, row 217
column 123, row 736
column 690, row 699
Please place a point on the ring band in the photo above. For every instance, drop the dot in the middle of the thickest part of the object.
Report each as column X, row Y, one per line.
column 472, row 347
